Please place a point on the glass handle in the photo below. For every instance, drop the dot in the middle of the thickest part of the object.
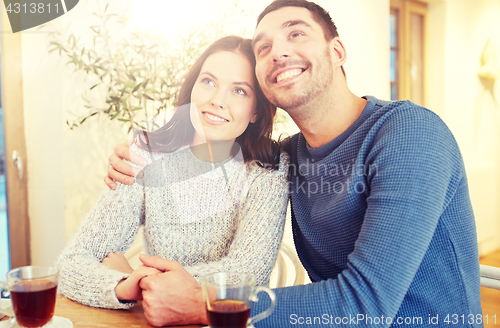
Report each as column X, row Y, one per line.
column 269, row 310
column 5, row 292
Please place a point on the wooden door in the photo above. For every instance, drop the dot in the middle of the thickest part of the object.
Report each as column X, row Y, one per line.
column 12, row 106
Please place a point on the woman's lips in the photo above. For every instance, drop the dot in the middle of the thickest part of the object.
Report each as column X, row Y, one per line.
column 213, row 119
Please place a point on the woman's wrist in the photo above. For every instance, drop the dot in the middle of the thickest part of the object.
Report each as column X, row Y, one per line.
column 119, row 290
column 125, row 293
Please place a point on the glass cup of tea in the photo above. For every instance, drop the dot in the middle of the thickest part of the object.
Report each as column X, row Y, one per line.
column 229, row 297
column 33, row 291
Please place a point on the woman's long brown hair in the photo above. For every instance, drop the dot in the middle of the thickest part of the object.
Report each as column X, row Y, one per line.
column 255, row 142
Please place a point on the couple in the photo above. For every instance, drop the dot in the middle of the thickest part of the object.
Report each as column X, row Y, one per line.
column 203, row 200
column 381, row 214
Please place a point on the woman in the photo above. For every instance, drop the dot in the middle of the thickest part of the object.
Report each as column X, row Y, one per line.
column 213, row 196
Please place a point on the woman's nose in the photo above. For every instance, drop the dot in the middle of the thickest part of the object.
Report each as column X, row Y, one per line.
column 218, row 100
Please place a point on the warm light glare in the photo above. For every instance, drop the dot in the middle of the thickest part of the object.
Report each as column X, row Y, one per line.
column 170, row 16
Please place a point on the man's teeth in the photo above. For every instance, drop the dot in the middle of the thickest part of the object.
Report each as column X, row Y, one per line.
column 288, row 74
column 215, row 118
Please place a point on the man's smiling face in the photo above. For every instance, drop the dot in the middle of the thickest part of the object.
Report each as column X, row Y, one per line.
column 294, row 62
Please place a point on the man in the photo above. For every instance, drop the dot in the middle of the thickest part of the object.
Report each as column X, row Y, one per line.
column 381, row 214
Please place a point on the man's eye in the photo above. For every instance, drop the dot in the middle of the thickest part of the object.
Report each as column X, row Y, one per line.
column 296, row 34
column 262, row 49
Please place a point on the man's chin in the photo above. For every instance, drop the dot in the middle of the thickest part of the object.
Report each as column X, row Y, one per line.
column 287, row 97
column 288, row 103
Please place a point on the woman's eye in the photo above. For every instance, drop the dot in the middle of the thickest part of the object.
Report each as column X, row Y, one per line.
column 208, row 82
column 240, row 91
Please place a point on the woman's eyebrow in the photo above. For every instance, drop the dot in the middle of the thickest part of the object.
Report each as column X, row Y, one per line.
column 243, row 83
column 209, row 74
column 235, row 83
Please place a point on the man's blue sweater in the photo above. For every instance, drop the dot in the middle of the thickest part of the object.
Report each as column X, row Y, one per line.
column 383, row 224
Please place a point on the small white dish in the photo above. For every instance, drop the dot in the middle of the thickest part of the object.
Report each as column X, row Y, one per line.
column 57, row 322
column 5, row 307
column 60, row 322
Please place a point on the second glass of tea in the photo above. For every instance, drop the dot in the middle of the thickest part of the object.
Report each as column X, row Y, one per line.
column 229, row 297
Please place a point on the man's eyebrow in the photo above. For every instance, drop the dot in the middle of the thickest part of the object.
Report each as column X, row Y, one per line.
column 294, row 22
column 257, row 39
column 284, row 25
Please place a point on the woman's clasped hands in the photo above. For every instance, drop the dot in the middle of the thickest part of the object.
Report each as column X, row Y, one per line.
column 128, row 289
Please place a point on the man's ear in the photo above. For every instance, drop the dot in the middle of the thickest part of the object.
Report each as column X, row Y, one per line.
column 338, row 52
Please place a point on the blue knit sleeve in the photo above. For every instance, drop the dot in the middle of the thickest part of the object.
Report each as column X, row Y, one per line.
column 416, row 168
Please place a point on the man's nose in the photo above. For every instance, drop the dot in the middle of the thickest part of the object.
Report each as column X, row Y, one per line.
column 280, row 51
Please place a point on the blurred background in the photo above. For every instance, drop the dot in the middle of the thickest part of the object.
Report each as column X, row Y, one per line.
column 72, row 89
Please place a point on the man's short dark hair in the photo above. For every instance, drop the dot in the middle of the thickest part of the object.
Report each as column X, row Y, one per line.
column 320, row 15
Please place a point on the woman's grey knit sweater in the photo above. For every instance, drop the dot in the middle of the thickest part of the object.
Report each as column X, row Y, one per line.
column 226, row 216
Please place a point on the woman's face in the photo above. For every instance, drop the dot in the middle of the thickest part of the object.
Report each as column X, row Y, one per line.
column 223, row 99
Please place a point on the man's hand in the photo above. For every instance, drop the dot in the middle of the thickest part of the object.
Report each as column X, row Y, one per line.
column 173, row 297
column 118, row 262
column 128, row 289
column 120, row 171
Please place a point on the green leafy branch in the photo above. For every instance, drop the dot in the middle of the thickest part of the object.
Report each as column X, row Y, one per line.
column 139, row 72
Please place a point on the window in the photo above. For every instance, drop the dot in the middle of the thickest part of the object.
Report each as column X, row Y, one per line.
column 407, row 40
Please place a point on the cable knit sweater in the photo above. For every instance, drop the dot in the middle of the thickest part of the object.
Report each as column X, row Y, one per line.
column 209, row 217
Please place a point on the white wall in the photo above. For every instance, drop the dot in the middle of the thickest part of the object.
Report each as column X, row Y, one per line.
column 458, row 31
column 66, row 168
column 43, row 103
column 363, row 26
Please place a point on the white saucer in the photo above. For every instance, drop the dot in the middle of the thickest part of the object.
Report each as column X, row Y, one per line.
column 5, row 304
column 57, row 322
